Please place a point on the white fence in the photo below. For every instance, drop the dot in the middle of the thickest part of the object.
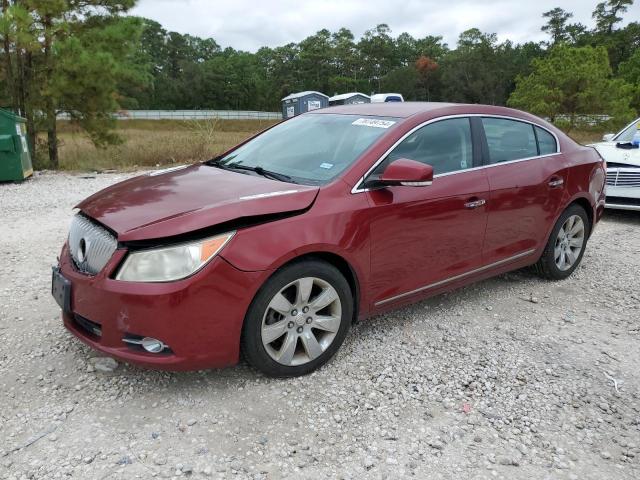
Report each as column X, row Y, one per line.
column 590, row 120
column 190, row 115
column 585, row 120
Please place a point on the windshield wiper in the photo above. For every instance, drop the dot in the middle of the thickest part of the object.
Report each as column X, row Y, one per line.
column 259, row 170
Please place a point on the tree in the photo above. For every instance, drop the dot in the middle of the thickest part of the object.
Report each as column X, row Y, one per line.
column 619, row 42
column 630, row 72
column 195, row 73
column 556, row 25
column 92, row 68
column 377, row 54
column 427, row 70
column 344, row 54
column 431, row 46
column 70, row 56
column 281, row 66
column 571, row 82
column 607, row 13
column 316, row 60
column 406, row 48
column 472, row 72
column 401, row 80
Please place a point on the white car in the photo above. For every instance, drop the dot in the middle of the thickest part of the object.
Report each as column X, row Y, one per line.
column 387, row 97
column 623, row 169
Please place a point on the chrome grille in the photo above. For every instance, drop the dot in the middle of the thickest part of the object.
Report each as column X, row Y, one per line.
column 91, row 245
column 623, row 177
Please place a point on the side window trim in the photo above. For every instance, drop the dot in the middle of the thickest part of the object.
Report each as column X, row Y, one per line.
column 484, row 145
column 359, row 186
column 478, row 141
column 486, row 158
column 555, row 140
column 535, row 134
column 475, row 152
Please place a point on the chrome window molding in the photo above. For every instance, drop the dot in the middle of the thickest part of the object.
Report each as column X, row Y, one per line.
column 357, row 188
column 416, row 184
column 456, row 277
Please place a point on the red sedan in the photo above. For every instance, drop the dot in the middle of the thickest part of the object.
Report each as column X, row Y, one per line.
column 275, row 247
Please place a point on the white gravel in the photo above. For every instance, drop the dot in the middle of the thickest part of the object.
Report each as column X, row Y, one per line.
column 513, row 377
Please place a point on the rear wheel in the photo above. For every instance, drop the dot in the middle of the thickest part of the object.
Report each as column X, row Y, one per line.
column 298, row 320
column 565, row 248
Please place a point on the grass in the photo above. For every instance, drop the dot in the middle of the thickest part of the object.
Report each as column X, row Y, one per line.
column 586, row 137
column 152, row 143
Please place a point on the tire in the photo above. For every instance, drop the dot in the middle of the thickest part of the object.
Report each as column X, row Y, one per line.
column 288, row 330
column 562, row 246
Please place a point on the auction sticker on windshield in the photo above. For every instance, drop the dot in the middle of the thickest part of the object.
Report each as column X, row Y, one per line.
column 373, row 122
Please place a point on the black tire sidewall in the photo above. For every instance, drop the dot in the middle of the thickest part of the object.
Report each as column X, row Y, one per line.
column 549, row 254
column 252, row 346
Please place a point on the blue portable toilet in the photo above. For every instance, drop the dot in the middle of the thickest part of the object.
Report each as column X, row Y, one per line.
column 349, row 99
column 302, row 102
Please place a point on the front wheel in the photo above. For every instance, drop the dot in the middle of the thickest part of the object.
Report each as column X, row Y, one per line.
column 298, row 319
column 565, row 248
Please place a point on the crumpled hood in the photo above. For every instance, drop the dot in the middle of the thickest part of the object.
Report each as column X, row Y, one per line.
column 613, row 154
column 182, row 200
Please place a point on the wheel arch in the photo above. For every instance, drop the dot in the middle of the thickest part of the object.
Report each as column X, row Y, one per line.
column 337, row 261
column 578, row 200
column 588, row 208
column 343, row 266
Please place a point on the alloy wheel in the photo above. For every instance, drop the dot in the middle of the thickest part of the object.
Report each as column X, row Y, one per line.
column 301, row 321
column 569, row 242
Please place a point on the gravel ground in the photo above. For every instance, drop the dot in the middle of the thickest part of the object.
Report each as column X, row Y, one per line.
column 513, row 377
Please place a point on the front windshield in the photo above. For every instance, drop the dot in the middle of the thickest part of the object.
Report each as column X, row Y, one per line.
column 311, row 149
column 627, row 134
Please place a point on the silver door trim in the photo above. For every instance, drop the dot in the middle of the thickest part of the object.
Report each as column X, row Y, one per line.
column 456, row 277
column 356, row 188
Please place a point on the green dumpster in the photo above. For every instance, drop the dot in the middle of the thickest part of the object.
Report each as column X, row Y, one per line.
column 15, row 159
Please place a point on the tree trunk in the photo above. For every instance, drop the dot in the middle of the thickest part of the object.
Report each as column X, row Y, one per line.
column 9, row 63
column 22, row 84
column 28, row 110
column 52, row 140
column 50, row 110
column 21, row 81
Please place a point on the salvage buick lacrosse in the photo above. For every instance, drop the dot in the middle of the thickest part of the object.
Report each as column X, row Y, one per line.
column 276, row 247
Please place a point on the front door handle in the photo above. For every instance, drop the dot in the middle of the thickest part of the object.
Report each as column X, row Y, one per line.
column 475, row 203
column 556, row 182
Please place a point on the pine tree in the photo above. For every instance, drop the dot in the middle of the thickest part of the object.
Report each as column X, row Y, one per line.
column 68, row 56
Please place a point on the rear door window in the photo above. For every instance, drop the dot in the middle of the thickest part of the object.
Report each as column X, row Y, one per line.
column 509, row 139
column 546, row 142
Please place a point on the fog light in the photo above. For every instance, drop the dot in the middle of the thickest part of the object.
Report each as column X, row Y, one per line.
column 152, row 345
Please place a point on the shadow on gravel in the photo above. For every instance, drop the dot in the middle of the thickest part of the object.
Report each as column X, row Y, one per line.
column 479, row 294
column 627, row 217
column 229, row 379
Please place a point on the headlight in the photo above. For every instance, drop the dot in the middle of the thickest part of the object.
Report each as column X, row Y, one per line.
column 171, row 263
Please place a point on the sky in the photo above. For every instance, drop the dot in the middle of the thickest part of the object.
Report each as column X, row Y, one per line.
column 251, row 24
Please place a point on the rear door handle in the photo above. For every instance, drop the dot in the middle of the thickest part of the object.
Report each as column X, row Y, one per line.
column 475, row 203
column 556, row 182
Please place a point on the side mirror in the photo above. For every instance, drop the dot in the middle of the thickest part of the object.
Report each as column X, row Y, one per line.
column 608, row 137
column 408, row 173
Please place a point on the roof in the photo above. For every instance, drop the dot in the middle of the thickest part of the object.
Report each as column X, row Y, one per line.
column 304, row 94
column 431, row 109
column 344, row 96
column 389, row 109
column 11, row 115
